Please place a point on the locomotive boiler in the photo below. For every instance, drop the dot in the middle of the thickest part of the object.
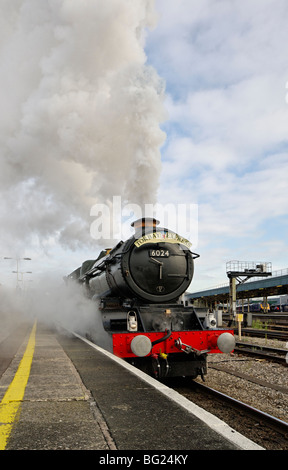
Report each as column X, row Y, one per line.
column 137, row 287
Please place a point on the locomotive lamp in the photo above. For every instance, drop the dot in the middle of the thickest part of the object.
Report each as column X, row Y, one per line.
column 132, row 321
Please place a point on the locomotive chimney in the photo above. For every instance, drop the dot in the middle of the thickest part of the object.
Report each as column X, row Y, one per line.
column 145, row 225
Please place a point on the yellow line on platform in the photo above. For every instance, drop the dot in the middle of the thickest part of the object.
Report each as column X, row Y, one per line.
column 15, row 393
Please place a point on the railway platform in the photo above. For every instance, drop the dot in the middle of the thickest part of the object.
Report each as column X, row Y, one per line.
column 76, row 396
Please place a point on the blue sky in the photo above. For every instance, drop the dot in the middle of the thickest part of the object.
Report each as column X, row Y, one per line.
column 73, row 129
column 225, row 68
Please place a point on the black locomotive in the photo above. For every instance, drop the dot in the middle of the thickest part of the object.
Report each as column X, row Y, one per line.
column 137, row 287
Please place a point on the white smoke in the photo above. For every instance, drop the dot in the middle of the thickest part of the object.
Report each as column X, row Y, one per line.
column 80, row 115
column 51, row 304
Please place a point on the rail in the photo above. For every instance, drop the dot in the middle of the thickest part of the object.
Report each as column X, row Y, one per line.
column 276, row 423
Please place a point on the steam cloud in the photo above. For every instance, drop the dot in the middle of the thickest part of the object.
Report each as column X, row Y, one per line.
column 51, row 304
column 80, row 115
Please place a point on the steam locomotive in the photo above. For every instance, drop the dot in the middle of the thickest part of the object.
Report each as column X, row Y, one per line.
column 137, row 286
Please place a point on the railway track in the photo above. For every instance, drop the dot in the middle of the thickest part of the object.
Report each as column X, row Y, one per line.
column 268, row 431
column 249, row 378
column 240, row 410
column 265, row 352
column 269, row 420
column 264, row 333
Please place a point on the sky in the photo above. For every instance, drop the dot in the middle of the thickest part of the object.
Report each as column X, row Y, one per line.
column 226, row 71
column 177, row 103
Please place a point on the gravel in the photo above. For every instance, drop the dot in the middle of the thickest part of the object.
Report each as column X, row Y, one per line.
column 262, row 397
column 266, row 399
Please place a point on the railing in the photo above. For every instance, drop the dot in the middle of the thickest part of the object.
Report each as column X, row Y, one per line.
column 249, row 266
column 279, row 272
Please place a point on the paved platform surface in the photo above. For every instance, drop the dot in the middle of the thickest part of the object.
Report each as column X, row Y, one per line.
column 79, row 398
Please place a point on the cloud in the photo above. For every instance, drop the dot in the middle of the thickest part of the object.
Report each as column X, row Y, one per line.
column 81, row 113
column 226, row 150
column 84, row 101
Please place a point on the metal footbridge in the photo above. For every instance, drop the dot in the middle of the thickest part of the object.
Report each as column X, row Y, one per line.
column 275, row 284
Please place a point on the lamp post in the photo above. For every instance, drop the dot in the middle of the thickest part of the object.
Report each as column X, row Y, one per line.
column 17, row 266
column 22, row 273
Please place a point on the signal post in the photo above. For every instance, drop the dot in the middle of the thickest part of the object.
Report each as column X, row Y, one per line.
column 241, row 271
